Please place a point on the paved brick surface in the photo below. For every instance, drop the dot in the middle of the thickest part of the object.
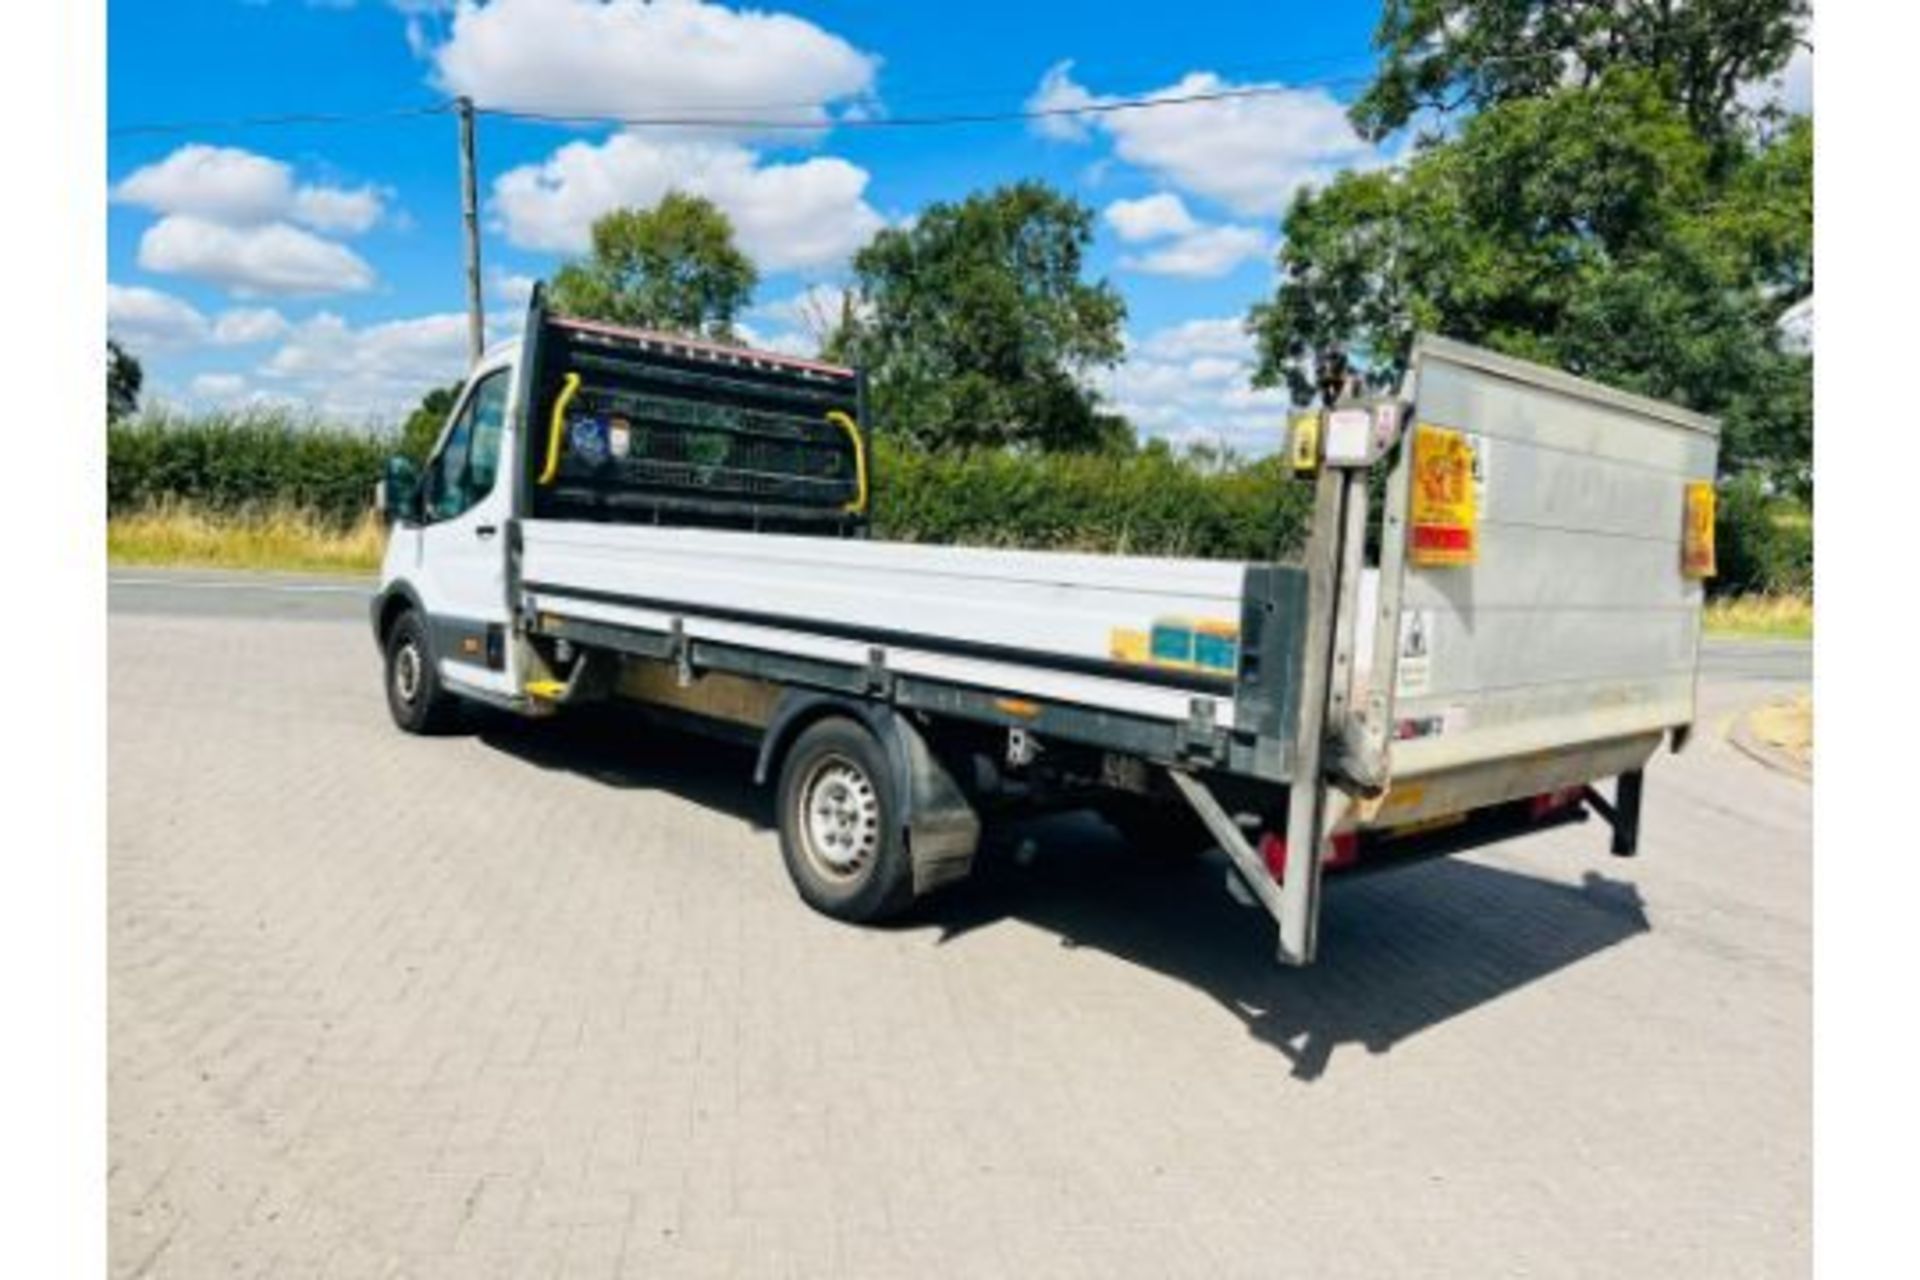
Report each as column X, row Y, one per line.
column 539, row 1002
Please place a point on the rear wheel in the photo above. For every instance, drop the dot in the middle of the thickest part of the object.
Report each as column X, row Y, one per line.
column 415, row 697
column 840, row 831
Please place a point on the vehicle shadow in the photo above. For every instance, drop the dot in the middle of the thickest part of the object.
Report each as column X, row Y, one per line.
column 1399, row 952
column 620, row 747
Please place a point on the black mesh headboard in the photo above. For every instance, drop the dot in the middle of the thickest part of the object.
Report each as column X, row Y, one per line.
column 656, row 428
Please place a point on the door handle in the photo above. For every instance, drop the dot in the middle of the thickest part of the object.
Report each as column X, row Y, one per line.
column 485, row 530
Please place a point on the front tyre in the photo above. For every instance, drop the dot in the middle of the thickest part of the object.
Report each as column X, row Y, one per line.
column 415, row 697
column 840, row 830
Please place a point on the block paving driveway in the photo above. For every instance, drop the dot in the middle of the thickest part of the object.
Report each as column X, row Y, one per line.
column 538, row 1001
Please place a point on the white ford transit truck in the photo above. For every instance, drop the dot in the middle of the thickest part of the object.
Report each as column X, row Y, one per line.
column 1500, row 646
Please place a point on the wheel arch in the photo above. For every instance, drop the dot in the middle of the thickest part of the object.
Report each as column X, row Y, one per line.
column 942, row 828
column 388, row 604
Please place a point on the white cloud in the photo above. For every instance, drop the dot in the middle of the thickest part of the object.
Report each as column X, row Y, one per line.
column 218, row 388
column 627, row 57
column 787, row 216
column 787, row 342
column 1206, row 254
column 1189, row 248
column 1192, row 383
column 376, row 371
column 1059, row 92
column 816, row 309
column 242, row 326
column 242, row 188
column 250, row 261
column 149, row 320
column 1226, row 336
column 338, row 209
column 1250, row 153
column 510, row 287
column 1150, row 217
column 222, row 183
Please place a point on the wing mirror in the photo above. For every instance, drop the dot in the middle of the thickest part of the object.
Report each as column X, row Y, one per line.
column 397, row 496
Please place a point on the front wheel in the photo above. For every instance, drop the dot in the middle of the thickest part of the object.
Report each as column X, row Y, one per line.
column 840, row 829
column 416, row 699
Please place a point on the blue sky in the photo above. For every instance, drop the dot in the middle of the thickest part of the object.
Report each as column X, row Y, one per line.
column 321, row 264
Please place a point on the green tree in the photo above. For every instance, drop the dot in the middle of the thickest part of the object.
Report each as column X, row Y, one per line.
column 1451, row 55
column 976, row 329
column 672, row 267
column 124, row 377
column 1595, row 229
column 422, row 427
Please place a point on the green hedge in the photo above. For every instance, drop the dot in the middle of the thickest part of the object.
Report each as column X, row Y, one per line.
column 1762, row 545
column 243, row 461
column 1148, row 503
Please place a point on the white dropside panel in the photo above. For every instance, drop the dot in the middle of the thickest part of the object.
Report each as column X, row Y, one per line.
column 1048, row 624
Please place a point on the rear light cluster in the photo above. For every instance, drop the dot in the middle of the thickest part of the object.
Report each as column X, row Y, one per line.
column 1344, row 848
column 1548, row 803
column 1345, row 852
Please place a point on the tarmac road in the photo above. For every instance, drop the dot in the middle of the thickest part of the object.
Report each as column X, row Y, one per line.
column 537, row 1000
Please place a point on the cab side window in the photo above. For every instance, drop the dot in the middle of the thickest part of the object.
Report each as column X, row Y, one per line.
column 464, row 470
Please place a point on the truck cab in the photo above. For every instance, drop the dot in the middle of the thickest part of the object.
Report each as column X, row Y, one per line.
column 445, row 563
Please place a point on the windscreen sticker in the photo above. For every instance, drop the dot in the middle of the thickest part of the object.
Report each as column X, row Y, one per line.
column 1415, row 665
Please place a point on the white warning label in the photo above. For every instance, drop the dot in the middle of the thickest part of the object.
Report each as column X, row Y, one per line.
column 1414, row 670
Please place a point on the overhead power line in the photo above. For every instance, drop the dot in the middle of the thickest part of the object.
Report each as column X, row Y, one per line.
column 275, row 121
column 725, row 120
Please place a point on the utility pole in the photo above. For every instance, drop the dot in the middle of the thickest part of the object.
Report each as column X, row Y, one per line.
column 470, row 220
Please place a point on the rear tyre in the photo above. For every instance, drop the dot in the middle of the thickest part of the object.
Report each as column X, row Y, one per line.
column 416, row 699
column 840, row 830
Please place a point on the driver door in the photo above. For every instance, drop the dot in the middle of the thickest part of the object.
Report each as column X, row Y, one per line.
column 465, row 502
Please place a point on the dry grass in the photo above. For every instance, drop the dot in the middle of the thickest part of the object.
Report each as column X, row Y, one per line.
column 1786, row 617
column 276, row 538
column 1787, row 726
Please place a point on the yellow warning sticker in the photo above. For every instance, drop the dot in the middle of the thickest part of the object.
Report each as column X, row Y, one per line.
column 1124, row 644
column 1444, row 528
column 1304, row 441
column 1696, row 543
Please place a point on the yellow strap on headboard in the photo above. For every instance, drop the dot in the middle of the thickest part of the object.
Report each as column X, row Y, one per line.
column 560, row 403
column 840, row 419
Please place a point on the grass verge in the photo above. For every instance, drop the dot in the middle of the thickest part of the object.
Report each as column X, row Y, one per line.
column 1787, row 727
column 1774, row 617
column 284, row 538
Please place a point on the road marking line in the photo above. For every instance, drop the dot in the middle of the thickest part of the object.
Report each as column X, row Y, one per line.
column 192, row 584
